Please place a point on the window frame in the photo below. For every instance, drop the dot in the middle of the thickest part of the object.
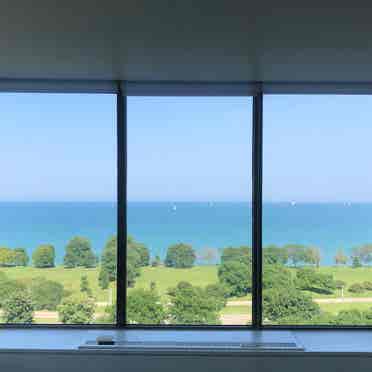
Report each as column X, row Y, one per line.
column 124, row 89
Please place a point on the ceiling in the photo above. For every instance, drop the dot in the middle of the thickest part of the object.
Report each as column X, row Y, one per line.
column 204, row 40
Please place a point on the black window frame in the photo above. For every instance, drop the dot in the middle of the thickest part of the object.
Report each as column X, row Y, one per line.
column 123, row 89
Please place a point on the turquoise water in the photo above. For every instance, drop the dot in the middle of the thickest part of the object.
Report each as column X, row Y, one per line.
column 217, row 225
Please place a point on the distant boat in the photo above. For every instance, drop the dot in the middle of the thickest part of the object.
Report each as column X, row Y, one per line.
column 211, row 204
column 174, row 207
column 293, row 203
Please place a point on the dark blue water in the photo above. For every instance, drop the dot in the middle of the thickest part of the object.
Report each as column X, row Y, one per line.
column 204, row 225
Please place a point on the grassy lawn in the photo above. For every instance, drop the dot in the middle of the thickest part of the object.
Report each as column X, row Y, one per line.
column 70, row 278
column 166, row 277
column 349, row 276
column 336, row 308
column 234, row 310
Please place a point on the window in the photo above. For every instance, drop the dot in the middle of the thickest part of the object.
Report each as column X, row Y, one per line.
column 58, row 208
column 135, row 208
column 189, row 210
column 317, row 211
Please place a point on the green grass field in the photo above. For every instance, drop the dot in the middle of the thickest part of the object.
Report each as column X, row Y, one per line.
column 336, row 308
column 70, row 278
column 198, row 276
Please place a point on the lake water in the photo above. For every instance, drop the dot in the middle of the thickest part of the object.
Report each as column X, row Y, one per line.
column 212, row 225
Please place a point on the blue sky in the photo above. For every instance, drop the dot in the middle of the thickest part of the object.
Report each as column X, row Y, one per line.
column 62, row 147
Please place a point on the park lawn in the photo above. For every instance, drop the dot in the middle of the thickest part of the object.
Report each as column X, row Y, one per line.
column 167, row 277
column 336, row 308
column 69, row 278
column 236, row 310
column 347, row 274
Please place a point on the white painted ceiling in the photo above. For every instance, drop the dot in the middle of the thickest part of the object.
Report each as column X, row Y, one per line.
column 185, row 40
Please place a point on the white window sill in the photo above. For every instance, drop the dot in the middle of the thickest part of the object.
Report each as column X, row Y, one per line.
column 314, row 341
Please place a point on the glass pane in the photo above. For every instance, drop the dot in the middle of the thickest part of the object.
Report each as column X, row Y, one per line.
column 58, row 207
column 317, row 210
column 189, row 210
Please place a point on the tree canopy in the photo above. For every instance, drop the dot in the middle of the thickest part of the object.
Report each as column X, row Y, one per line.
column 191, row 305
column 180, row 256
column 79, row 253
column 145, row 307
column 44, row 256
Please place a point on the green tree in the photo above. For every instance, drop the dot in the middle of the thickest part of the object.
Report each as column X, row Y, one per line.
column 79, row 253
column 309, row 279
column 76, row 310
column 7, row 257
column 46, row 294
column 141, row 249
column 20, row 257
column 241, row 254
column 297, row 254
column 109, row 258
column 103, row 279
column 145, row 307
column 18, row 308
column 44, row 256
column 286, row 305
column 236, row 276
column 363, row 253
column 84, row 286
column 191, row 305
column 356, row 262
column 219, row 293
column 313, row 256
column 340, row 258
column 132, row 267
column 276, row 276
column 180, row 256
column 274, row 255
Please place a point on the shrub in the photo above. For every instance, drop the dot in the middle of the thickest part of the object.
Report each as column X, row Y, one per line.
column 144, row 307
column 76, row 310
column 356, row 288
column 180, row 256
column 18, row 308
column 191, row 305
column 103, row 279
column 349, row 317
column 367, row 286
column 84, row 286
column 285, row 305
column 46, row 294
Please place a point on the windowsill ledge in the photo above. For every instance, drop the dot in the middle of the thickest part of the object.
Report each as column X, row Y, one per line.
column 315, row 342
